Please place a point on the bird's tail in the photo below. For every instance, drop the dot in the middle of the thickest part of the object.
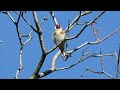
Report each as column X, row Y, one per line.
column 63, row 55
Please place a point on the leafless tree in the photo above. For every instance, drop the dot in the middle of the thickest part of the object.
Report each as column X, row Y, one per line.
column 38, row 30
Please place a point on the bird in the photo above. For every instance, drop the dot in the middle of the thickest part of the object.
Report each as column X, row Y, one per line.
column 59, row 37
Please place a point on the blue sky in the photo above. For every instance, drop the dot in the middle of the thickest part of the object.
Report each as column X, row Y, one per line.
column 9, row 55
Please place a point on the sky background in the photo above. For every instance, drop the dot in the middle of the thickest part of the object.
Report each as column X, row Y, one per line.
column 9, row 55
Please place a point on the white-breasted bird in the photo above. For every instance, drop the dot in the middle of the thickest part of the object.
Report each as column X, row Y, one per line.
column 58, row 36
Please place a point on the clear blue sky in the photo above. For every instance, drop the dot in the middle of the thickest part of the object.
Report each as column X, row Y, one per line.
column 9, row 55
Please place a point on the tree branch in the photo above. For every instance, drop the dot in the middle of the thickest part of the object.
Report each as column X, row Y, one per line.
column 10, row 17
column 90, row 43
column 53, row 67
column 53, row 17
column 41, row 61
column 117, row 62
column 102, row 67
column 74, row 22
column 20, row 62
column 27, row 22
column 39, row 32
column 80, row 60
column 95, row 32
column 86, row 26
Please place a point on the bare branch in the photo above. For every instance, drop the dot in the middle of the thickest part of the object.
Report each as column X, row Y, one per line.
column 86, row 26
column 53, row 17
column 30, row 37
column 19, row 35
column 78, row 34
column 102, row 67
column 101, row 62
column 26, row 21
column 108, row 75
column 110, row 35
column 44, row 19
column 117, row 62
column 39, row 32
column 4, row 12
column 47, row 72
column 116, row 57
column 94, row 71
column 35, row 75
column 80, row 60
column 53, row 67
column 102, row 55
column 90, row 43
column 49, row 51
column 102, row 72
column 86, row 12
column 10, row 17
column 74, row 22
column 78, row 47
column 41, row 61
column 20, row 40
column 18, row 18
column 20, row 62
column 95, row 32
column 54, row 59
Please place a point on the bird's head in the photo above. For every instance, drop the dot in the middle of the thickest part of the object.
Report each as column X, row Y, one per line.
column 58, row 27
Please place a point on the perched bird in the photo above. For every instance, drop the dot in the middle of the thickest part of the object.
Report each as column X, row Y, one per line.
column 58, row 36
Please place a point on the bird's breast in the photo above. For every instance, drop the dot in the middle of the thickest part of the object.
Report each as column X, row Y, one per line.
column 59, row 35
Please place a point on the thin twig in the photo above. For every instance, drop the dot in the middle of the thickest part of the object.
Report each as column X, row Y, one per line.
column 95, row 32
column 86, row 12
column 27, row 21
column 74, row 22
column 11, row 17
column 110, row 35
column 30, row 37
column 94, row 71
column 101, row 62
column 102, row 67
column 18, row 18
column 20, row 40
column 20, row 62
column 117, row 63
column 44, row 19
column 80, row 60
column 108, row 75
column 101, row 72
column 53, row 17
column 91, row 43
column 85, row 26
